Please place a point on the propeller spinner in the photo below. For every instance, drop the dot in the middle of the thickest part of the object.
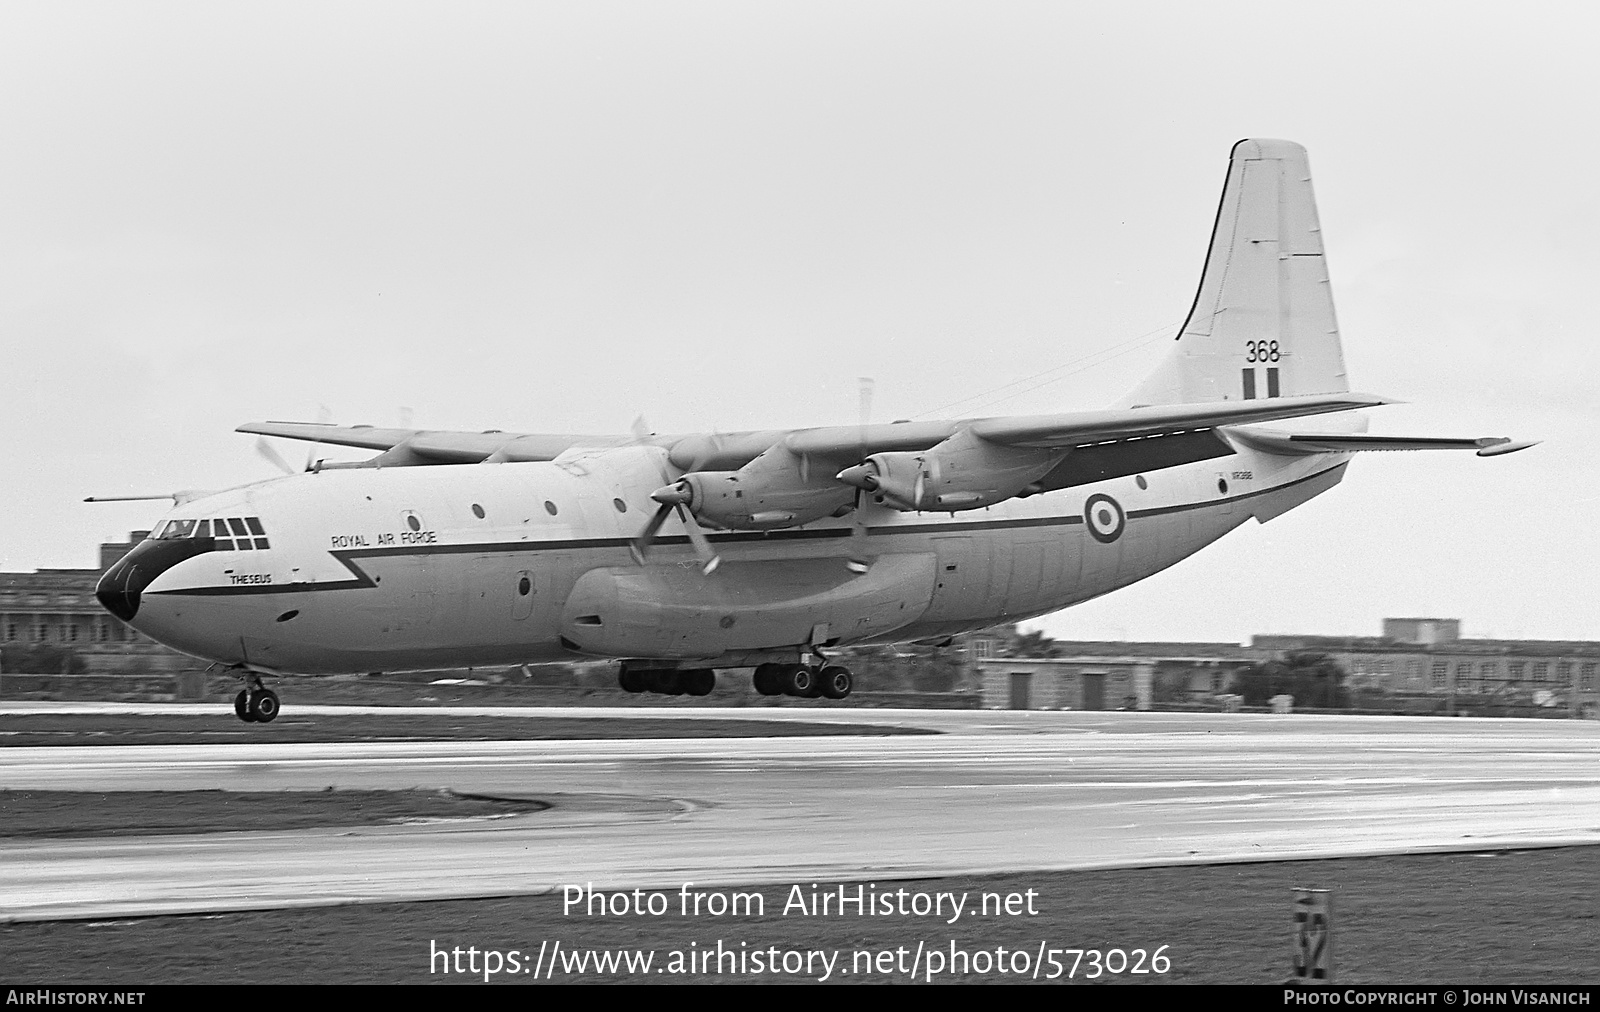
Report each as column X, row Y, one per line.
column 677, row 496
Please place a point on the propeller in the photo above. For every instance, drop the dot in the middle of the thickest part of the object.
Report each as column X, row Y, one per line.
column 676, row 497
column 273, row 457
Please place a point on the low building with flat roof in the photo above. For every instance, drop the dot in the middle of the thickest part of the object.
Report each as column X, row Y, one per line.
column 1418, row 659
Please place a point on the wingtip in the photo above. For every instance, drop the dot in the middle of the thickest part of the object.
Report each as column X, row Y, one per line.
column 1503, row 446
column 1378, row 400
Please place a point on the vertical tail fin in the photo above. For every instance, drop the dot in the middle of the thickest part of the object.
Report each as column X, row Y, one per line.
column 1262, row 324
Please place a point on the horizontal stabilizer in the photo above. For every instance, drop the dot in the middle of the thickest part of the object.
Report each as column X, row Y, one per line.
column 1304, row 444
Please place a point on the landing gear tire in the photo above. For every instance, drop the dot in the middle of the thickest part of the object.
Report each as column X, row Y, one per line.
column 241, row 707
column 633, row 681
column 768, row 679
column 698, row 682
column 799, row 680
column 836, row 682
column 668, row 683
column 263, row 706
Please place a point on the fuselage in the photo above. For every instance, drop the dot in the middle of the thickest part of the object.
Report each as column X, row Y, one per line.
column 386, row 569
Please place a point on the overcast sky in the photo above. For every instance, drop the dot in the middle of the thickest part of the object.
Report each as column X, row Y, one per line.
column 558, row 217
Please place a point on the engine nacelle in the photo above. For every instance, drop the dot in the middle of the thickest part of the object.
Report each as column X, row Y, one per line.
column 772, row 491
column 964, row 472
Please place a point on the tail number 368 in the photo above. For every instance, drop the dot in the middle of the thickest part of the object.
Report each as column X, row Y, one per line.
column 1261, row 351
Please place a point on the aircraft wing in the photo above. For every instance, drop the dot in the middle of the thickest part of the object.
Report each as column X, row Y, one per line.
column 364, row 436
column 1088, row 427
column 844, row 443
column 1076, row 428
column 426, row 446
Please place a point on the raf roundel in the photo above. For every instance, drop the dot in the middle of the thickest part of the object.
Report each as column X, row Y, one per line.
column 1105, row 518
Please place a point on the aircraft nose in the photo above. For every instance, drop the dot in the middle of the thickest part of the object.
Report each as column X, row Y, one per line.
column 119, row 588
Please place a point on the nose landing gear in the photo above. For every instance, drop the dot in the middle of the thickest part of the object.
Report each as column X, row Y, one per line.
column 255, row 703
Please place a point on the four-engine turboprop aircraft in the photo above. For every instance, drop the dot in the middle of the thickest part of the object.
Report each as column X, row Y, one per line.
column 679, row 555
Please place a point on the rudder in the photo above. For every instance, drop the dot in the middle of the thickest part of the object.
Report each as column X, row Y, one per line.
column 1262, row 323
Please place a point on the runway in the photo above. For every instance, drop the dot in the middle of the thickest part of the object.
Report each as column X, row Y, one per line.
column 997, row 791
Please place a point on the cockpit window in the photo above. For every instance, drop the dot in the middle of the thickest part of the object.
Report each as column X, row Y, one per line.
column 246, row 533
column 174, row 529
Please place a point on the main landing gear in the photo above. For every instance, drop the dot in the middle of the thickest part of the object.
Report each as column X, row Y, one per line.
column 804, row 680
column 668, row 681
column 255, row 703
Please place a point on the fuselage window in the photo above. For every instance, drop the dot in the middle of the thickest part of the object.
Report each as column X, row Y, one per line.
column 254, row 524
column 523, row 586
column 412, row 522
column 477, row 511
column 203, row 529
column 220, row 527
column 550, row 507
column 621, row 506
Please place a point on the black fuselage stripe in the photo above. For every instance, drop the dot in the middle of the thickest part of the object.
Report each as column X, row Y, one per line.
column 349, row 557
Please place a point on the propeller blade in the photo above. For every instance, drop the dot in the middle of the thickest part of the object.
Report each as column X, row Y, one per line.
column 641, row 544
column 858, row 562
column 702, row 545
column 917, row 490
column 273, row 457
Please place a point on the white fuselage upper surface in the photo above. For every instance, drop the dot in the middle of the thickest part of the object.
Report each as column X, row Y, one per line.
column 482, row 564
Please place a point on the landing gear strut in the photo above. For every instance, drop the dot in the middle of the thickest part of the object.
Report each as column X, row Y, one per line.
column 255, row 703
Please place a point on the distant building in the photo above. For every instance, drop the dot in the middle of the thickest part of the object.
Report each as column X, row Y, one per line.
column 57, row 608
column 1416, row 657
